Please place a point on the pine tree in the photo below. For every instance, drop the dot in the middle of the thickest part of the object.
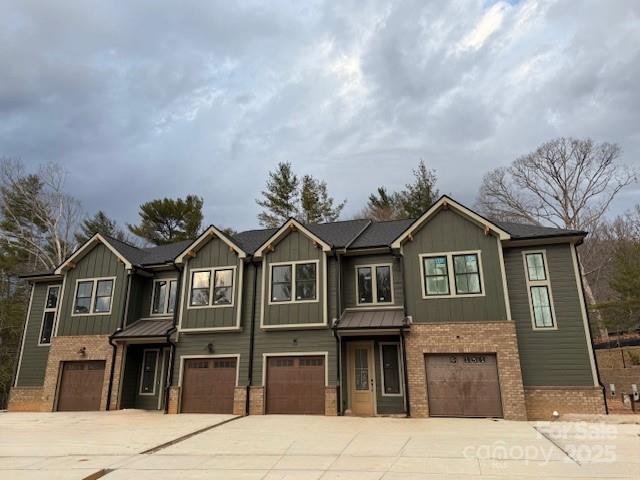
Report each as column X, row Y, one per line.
column 315, row 203
column 410, row 202
column 102, row 224
column 418, row 196
column 280, row 197
column 167, row 220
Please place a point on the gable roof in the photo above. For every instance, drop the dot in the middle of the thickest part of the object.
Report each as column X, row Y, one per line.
column 355, row 234
column 87, row 247
column 291, row 225
column 447, row 202
column 208, row 234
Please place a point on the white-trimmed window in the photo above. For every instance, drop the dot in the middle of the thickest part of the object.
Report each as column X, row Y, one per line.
column 374, row 284
column 49, row 315
column 294, row 282
column 163, row 299
column 212, row 287
column 451, row 274
column 149, row 371
column 93, row 296
column 391, row 369
column 539, row 290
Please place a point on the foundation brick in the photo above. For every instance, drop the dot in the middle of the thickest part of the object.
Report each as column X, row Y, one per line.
column 331, row 401
column 240, row 401
column 478, row 337
column 174, row 400
column 543, row 401
column 256, row 401
column 26, row 399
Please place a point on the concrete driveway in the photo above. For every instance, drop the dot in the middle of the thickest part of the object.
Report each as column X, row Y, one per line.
column 304, row 447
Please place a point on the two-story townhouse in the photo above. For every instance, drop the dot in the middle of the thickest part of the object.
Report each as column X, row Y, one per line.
column 450, row 314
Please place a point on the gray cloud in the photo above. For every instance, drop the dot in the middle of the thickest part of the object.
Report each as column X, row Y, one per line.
column 146, row 99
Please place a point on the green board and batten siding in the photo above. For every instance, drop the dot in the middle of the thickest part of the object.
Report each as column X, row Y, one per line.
column 450, row 232
column 555, row 357
column 99, row 262
column 223, row 343
column 214, row 253
column 294, row 247
column 34, row 357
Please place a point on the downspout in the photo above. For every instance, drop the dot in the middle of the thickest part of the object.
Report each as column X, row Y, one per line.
column 252, row 335
column 595, row 357
column 172, row 344
column 335, row 332
column 114, row 347
column 402, row 334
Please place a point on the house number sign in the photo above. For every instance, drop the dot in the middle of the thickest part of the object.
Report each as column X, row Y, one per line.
column 475, row 359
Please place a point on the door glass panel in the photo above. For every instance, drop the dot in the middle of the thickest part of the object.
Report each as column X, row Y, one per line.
column 362, row 368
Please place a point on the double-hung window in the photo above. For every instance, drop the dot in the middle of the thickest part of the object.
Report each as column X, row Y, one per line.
column 374, row 284
column 539, row 290
column 49, row 316
column 212, row 287
column 454, row 274
column 164, row 296
column 93, row 296
column 294, row 282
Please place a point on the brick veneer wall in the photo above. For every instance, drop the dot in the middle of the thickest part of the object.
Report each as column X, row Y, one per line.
column 174, row 400
column 67, row 348
column 256, row 400
column 26, row 399
column 543, row 401
column 478, row 337
column 331, row 401
column 240, row 401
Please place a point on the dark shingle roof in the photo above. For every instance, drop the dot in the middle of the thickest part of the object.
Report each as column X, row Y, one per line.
column 354, row 234
column 381, row 234
column 526, row 230
column 338, row 234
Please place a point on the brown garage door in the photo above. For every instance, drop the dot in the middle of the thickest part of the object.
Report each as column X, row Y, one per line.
column 81, row 386
column 295, row 385
column 208, row 385
column 463, row 385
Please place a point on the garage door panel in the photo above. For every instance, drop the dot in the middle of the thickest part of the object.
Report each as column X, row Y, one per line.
column 81, row 386
column 295, row 385
column 463, row 385
column 208, row 385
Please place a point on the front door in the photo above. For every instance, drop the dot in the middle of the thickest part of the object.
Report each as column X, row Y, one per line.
column 361, row 376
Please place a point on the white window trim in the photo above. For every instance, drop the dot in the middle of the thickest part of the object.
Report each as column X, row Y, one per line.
column 265, row 357
column 212, row 271
column 374, row 284
column 451, row 275
column 539, row 283
column 216, row 355
column 165, row 307
column 155, row 372
column 49, row 310
column 400, row 370
column 293, row 281
column 93, row 296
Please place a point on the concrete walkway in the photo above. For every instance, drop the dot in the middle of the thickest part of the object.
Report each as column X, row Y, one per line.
column 305, row 447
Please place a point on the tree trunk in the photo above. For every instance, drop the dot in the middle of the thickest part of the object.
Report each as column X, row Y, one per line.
column 595, row 316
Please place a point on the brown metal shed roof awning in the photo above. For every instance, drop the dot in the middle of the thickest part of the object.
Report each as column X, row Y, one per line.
column 145, row 329
column 372, row 319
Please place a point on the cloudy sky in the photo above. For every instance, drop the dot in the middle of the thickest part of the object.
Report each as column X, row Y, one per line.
column 144, row 99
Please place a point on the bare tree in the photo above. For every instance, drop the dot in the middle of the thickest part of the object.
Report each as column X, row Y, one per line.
column 566, row 183
column 37, row 218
